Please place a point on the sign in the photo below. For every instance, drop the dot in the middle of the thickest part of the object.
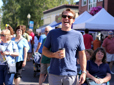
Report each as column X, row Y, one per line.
column 31, row 24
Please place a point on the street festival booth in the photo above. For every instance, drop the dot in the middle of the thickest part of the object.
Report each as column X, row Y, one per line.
column 102, row 21
column 40, row 28
column 53, row 25
column 82, row 18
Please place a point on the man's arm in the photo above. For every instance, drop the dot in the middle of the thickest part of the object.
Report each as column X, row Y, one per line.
column 83, row 63
column 38, row 47
column 50, row 54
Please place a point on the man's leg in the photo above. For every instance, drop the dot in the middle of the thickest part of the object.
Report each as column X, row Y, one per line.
column 41, row 79
column 43, row 72
column 69, row 80
column 55, row 79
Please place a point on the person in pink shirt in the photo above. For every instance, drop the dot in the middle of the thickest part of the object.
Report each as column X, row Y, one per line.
column 87, row 39
column 32, row 35
column 30, row 52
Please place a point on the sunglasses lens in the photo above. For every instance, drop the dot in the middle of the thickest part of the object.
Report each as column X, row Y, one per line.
column 64, row 16
column 110, row 33
column 46, row 31
column 70, row 17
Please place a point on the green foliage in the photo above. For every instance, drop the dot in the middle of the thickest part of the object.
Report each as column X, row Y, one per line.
column 15, row 11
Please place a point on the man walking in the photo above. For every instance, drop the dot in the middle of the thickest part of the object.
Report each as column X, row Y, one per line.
column 87, row 39
column 45, row 61
column 108, row 45
column 63, row 69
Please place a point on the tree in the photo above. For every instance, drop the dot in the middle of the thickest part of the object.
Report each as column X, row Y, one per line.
column 15, row 11
column 10, row 11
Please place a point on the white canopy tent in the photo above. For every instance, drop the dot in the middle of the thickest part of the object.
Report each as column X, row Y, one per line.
column 82, row 18
column 101, row 21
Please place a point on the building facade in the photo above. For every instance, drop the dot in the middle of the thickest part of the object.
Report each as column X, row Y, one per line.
column 54, row 14
column 85, row 5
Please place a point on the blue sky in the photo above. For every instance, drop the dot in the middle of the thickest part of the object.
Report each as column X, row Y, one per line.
column 1, row 3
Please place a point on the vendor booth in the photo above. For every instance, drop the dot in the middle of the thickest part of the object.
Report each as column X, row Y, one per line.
column 82, row 18
column 99, row 22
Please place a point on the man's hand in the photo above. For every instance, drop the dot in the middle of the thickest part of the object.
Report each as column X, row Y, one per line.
column 82, row 78
column 59, row 54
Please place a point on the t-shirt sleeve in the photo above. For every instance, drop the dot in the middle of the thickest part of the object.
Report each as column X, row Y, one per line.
column 47, row 42
column 104, row 43
column 41, row 39
column 81, row 41
column 108, row 69
column 25, row 43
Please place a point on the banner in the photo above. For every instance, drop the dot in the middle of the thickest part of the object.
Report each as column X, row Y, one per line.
column 31, row 25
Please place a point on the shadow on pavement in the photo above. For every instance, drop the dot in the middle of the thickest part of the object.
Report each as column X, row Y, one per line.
column 28, row 75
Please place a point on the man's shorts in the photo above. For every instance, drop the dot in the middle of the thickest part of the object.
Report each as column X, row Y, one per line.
column 110, row 57
column 62, row 80
column 43, row 69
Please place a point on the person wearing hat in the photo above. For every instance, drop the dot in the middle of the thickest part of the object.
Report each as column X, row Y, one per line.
column 108, row 45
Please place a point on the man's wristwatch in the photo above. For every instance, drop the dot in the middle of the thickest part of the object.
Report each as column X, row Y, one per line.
column 84, row 72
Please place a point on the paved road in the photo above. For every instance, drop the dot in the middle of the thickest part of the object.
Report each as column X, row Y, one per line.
column 29, row 79
column 28, row 76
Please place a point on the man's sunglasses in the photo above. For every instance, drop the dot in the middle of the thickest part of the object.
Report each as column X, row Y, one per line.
column 110, row 33
column 70, row 17
column 2, row 35
column 46, row 31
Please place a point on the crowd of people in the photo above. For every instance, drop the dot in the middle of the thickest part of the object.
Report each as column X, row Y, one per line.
column 61, row 50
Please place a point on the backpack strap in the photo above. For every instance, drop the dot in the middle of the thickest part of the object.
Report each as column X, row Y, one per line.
column 19, row 40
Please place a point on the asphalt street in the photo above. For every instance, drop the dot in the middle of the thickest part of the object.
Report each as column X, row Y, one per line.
column 29, row 79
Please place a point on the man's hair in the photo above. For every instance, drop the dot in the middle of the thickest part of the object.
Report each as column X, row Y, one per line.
column 70, row 10
column 86, row 30
column 50, row 28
